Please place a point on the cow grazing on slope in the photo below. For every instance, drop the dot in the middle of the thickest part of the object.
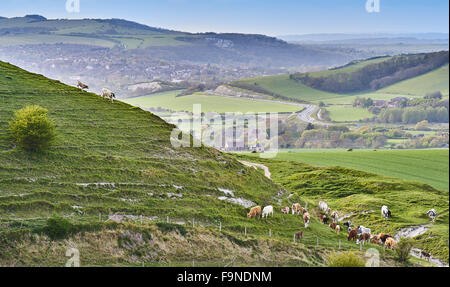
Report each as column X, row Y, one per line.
column 362, row 229
column 255, row 212
column 323, row 206
column 107, row 94
column 285, row 210
column 296, row 208
column 426, row 255
column 299, row 235
column 365, row 237
column 383, row 237
column 338, row 229
column 390, row 243
column 306, row 219
column 385, row 212
column 432, row 214
column 324, row 219
column 335, row 216
column 352, row 235
column 82, row 86
column 268, row 210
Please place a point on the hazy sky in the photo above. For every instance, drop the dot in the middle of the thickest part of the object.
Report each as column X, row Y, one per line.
column 271, row 17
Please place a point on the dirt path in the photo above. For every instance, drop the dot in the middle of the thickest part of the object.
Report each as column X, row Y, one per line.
column 256, row 166
column 413, row 231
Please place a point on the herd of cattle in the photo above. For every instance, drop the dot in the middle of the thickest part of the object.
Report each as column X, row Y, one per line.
column 359, row 234
column 106, row 94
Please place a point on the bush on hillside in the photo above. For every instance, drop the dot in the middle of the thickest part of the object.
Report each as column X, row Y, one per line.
column 345, row 259
column 31, row 129
column 404, row 248
column 58, row 228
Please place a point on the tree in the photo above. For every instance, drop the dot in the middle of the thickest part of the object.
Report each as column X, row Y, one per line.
column 31, row 129
column 422, row 126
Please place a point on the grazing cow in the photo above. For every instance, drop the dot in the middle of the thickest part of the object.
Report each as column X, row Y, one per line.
column 432, row 214
column 285, row 210
column 82, row 86
column 365, row 237
column 338, row 229
column 333, row 226
column 385, row 212
column 324, row 207
column 108, row 94
column 299, row 234
column 362, row 229
column 324, row 219
column 348, row 224
column 390, row 243
column 425, row 255
column 335, row 216
column 255, row 212
column 383, row 237
column 306, row 219
column 352, row 235
column 268, row 210
column 296, row 208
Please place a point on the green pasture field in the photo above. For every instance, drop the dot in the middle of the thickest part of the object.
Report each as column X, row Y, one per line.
column 169, row 100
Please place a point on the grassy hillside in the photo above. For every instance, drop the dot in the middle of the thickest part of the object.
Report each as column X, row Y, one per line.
column 426, row 166
column 117, row 159
column 286, row 87
column 360, row 195
column 169, row 100
column 420, row 86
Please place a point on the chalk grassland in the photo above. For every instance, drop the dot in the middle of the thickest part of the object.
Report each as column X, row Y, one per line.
column 117, row 159
column 169, row 100
column 360, row 195
column 419, row 86
column 426, row 166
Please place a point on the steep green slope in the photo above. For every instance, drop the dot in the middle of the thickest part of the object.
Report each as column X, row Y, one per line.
column 110, row 158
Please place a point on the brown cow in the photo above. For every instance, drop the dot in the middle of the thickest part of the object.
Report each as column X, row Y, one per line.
column 425, row 255
column 333, row 226
column 382, row 237
column 255, row 212
column 296, row 208
column 306, row 219
column 299, row 234
column 390, row 243
column 365, row 237
column 324, row 219
column 352, row 235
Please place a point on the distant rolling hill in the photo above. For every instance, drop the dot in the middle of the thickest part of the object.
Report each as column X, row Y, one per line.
column 313, row 87
column 226, row 49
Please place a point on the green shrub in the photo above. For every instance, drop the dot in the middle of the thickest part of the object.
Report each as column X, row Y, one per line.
column 31, row 129
column 58, row 228
column 404, row 248
column 345, row 259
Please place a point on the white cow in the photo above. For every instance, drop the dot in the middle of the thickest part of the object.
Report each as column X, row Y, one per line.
column 268, row 210
column 335, row 216
column 108, row 94
column 362, row 229
column 432, row 214
column 385, row 212
column 324, row 207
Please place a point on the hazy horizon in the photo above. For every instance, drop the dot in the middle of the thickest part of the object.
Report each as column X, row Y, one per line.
column 273, row 18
